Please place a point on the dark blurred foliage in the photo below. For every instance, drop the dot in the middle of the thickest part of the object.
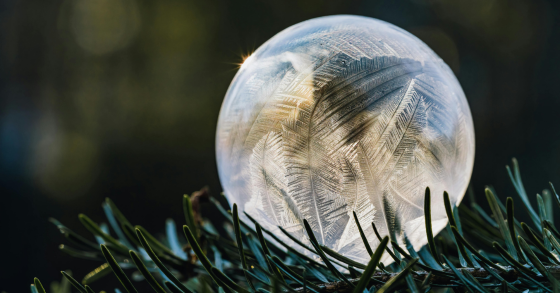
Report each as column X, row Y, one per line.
column 119, row 98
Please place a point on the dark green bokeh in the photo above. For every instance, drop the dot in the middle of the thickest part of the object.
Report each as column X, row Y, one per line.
column 120, row 98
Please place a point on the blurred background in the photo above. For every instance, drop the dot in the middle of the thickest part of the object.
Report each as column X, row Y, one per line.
column 120, row 98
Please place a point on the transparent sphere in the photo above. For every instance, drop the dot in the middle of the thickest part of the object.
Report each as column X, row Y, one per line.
column 340, row 114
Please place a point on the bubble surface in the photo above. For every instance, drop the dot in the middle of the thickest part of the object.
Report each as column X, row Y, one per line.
column 345, row 114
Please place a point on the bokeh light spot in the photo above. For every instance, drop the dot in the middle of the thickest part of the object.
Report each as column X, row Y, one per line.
column 104, row 26
column 65, row 164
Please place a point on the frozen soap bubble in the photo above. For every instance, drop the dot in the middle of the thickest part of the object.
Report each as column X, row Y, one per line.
column 340, row 114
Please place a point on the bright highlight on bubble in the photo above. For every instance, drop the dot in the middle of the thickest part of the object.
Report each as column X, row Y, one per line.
column 246, row 60
column 345, row 114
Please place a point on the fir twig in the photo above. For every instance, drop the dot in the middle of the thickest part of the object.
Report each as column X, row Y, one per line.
column 217, row 257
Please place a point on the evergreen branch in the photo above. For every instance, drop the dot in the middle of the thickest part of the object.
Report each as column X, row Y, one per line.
column 379, row 277
column 217, row 257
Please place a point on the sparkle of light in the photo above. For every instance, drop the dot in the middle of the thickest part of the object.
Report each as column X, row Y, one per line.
column 246, row 60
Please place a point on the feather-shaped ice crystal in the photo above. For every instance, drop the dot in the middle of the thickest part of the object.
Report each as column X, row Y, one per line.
column 340, row 114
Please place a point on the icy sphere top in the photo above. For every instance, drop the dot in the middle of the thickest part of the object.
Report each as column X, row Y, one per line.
column 340, row 114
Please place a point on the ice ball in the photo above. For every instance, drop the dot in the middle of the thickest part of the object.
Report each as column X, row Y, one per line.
column 340, row 114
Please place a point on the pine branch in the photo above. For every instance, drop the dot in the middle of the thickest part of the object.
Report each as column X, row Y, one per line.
column 381, row 277
column 514, row 257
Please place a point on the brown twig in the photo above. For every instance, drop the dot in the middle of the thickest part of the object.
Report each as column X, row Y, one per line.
column 197, row 198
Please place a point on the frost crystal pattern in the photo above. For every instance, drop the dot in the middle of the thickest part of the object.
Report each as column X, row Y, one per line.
column 340, row 114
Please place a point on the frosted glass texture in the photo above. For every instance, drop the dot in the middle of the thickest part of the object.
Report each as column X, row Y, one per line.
column 340, row 114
